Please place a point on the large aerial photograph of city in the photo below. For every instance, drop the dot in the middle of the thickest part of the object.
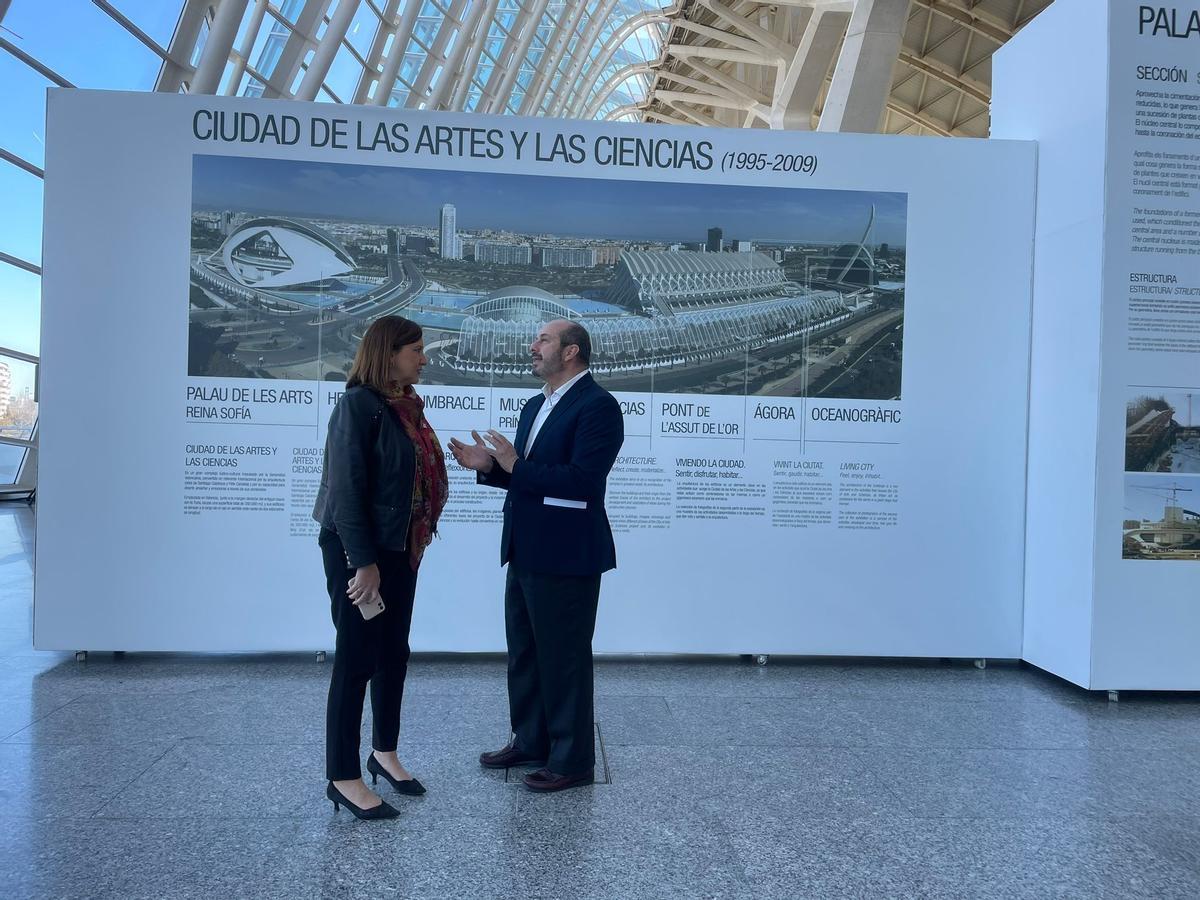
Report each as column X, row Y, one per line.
column 684, row 288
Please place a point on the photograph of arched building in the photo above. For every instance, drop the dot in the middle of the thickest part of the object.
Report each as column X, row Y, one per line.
column 806, row 296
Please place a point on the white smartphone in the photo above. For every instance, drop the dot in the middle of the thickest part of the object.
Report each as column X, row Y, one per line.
column 371, row 608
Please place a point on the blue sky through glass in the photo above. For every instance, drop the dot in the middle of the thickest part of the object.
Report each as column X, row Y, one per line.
column 82, row 44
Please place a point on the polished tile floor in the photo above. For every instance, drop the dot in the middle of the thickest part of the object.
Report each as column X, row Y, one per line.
column 180, row 776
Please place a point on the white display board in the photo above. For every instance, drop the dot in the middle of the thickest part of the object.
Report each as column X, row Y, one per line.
column 1113, row 561
column 820, row 342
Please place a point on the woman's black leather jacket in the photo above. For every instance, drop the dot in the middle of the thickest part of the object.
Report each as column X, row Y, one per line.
column 367, row 479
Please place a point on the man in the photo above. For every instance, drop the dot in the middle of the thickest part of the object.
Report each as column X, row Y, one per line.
column 556, row 542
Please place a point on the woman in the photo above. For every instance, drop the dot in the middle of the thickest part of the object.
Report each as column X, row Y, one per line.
column 382, row 489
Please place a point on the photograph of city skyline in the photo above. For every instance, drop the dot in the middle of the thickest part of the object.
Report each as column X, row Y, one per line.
column 685, row 288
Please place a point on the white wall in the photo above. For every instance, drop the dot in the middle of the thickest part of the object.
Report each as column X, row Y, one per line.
column 120, row 567
column 1036, row 97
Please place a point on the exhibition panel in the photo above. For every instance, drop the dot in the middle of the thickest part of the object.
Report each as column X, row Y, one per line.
column 1148, row 463
column 822, row 364
column 1113, row 556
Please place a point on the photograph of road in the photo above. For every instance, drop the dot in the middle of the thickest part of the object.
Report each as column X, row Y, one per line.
column 1162, row 431
column 685, row 288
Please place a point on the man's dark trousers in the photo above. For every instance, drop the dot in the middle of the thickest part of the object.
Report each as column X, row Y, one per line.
column 549, row 621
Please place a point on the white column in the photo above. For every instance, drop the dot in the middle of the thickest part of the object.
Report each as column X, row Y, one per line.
column 863, row 77
column 796, row 98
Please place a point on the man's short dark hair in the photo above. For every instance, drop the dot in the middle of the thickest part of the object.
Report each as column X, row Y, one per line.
column 576, row 334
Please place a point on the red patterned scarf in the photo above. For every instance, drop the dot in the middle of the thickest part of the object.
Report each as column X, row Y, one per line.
column 431, row 486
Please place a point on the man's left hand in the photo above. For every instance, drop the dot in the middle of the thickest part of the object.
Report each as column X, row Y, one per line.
column 502, row 450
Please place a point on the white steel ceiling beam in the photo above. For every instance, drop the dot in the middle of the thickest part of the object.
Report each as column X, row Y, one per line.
column 843, row 5
column 453, row 69
column 730, row 40
column 721, row 54
column 744, row 93
column 676, row 97
column 178, row 68
column 618, row 78
column 918, row 118
column 327, row 49
column 966, row 19
column 241, row 56
column 984, row 14
column 499, row 88
column 470, row 66
column 221, row 35
column 370, row 73
column 536, row 91
column 947, row 76
column 751, row 29
column 621, row 111
column 614, row 42
column 695, row 115
column 724, row 79
column 435, row 54
column 583, row 49
column 302, row 36
column 401, row 35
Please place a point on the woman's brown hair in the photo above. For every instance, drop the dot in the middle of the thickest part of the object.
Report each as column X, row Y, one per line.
column 373, row 361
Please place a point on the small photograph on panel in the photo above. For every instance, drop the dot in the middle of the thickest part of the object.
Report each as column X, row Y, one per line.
column 1161, row 517
column 1162, row 430
column 684, row 288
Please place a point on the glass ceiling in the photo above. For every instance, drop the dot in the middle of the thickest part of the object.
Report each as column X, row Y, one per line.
column 533, row 57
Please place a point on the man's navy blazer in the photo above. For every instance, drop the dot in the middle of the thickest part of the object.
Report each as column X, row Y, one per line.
column 570, row 461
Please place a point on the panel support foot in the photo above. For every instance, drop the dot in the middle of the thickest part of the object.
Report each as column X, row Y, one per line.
column 981, row 663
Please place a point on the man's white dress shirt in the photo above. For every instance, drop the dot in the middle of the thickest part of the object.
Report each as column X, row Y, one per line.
column 552, row 397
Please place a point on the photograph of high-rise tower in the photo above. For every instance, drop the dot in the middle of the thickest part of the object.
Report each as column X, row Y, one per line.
column 685, row 288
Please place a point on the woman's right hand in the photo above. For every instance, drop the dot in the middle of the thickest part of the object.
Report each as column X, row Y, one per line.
column 364, row 585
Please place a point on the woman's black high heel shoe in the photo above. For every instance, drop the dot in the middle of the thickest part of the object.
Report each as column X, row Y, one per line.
column 382, row 811
column 410, row 786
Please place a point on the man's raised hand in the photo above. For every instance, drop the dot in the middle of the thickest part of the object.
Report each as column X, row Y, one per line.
column 475, row 456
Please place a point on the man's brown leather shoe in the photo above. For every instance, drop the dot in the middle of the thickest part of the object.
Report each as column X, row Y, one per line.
column 509, row 756
column 545, row 781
